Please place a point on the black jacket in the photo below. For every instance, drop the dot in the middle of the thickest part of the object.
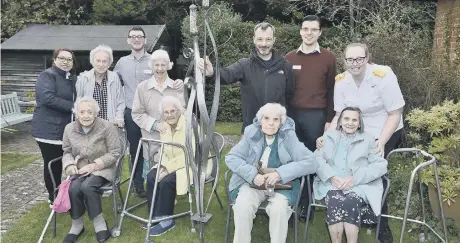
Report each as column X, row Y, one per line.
column 260, row 85
column 55, row 96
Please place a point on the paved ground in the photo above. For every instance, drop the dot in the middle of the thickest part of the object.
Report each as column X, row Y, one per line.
column 23, row 188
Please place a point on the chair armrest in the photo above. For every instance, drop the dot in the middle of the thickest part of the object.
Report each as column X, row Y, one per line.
column 226, row 178
column 386, row 189
column 58, row 159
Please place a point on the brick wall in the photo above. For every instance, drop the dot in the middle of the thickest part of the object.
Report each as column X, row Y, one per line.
column 446, row 46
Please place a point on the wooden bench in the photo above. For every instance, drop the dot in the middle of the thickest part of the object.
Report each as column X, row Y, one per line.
column 11, row 113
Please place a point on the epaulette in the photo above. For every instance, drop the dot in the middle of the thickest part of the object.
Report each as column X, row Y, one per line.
column 379, row 73
column 339, row 77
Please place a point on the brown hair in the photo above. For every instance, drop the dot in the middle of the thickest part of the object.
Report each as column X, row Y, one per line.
column 56, row 53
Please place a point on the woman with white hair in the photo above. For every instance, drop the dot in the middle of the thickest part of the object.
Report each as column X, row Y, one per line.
column 269, row 156
column 172, row 179
column 91, row 150
column 103, row 85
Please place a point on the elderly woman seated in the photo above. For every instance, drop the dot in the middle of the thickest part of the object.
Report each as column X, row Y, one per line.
column 173, row 174
column 268, row 157
column 349, row 175
column 91, row 149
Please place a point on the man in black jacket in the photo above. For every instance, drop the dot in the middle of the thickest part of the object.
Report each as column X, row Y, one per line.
column 265, row 76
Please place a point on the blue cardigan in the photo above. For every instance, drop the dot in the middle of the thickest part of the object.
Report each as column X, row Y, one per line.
column 296, row 160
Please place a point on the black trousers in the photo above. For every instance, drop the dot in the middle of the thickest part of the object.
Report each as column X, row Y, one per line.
column 393, row 142
column 309, row 126
column 133, row 132
column 165, row 196
column 50, row 152
column 84, row 194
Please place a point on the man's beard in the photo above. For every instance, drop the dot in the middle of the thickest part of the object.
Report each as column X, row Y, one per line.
column 264, row 51
column 139, row 49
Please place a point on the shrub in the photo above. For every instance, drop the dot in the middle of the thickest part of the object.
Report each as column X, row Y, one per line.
column 438, row 131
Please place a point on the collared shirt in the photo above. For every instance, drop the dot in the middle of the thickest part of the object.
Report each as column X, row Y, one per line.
column 317, row 49
column 153, row 84
column 100, row 95
column 132, row 72
column 378, row 94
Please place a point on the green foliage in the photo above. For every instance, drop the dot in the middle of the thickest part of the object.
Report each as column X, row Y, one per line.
column 399, row 170
column 16, row 14
column 438, row 131
column 226, row 23
column 120, row 11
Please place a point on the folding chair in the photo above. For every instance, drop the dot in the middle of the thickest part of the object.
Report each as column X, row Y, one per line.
column 109, row 188
column 126, row 210
column 314, row 204
column 262, row 207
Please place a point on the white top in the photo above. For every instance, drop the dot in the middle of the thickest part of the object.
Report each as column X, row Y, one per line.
column 378, row 94
column 55, row 142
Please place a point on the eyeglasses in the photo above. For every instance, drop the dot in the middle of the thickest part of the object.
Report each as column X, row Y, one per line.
column 358, row 60
column 306, row 30
column 63, row 59
column 139, row 37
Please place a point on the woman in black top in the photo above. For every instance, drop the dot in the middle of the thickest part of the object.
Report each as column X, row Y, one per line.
column 55, row 92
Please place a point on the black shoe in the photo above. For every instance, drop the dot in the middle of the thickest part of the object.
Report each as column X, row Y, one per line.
column 385, row 235
column 71, row 238
column 303, row 215
column 102, row 236
column 140, row 192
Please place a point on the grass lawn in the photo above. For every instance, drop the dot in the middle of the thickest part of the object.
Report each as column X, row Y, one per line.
column 11, row 161
column 228, row 128
column 29, row 227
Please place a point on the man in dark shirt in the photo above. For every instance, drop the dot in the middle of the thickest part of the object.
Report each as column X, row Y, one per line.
column 265, row 76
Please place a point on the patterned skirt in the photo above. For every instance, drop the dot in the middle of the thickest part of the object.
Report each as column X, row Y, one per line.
column 348, row 208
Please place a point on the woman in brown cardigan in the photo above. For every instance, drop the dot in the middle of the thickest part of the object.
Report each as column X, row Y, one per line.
column 91, row 149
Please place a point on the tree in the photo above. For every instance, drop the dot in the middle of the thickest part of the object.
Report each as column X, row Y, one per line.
column 16, row 14
column 121, row 11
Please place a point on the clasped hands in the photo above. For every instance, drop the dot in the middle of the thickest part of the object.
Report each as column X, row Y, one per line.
column 270, row 178
column 342, row 183
column 83, row 171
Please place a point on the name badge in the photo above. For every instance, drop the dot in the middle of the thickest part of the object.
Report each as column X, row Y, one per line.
column 148, row 71
column 296, row 67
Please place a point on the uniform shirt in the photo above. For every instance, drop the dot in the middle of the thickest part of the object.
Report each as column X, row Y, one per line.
column 132, row 72
column 378, row 94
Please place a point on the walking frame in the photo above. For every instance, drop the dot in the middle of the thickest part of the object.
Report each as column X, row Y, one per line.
column 126, row 210
column 416, row 171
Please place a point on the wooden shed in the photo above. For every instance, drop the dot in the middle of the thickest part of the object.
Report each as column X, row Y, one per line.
column 26, row 54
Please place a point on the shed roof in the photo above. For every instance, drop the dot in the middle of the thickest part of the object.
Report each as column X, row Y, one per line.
column 77, row 37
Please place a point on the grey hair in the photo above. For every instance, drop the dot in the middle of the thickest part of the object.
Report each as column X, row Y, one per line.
column 160, row 55
column 361, row 121
column 264, row 26
column 272, row 107
column 170, row 100
column 89, row 99
column 99, row 48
